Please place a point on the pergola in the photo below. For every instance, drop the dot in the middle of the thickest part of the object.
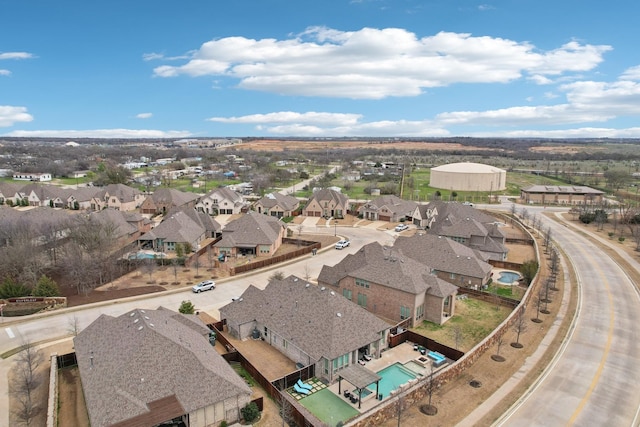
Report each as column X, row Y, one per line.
column 360, row 377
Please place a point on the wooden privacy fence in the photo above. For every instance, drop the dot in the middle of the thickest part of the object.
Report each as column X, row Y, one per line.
column 277, row 259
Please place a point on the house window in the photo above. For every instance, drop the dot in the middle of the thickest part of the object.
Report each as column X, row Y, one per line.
column 340, row 362
column 362, row 300
column 326, row 366
column 215, row 201
column 405, row 312
column 285, row 343
column 420, row 312
column 347, row 294
column 362, row 283
column 452, row 275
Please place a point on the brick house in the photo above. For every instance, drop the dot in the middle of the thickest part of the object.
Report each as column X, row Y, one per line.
column 117, row 196
column 277, row 204
column 463, row 224
column 252, row 234
column 391, row 285
column 327, row 203
column 165, row 199
column 221, row 201
column 388, row 208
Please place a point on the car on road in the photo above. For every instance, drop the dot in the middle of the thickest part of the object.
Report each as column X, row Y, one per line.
column 342, row 244
column 401, row 227
column 468, row 204
column 205, row 285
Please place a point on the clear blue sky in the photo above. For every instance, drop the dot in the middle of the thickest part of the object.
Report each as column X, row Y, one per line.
column 429, row 68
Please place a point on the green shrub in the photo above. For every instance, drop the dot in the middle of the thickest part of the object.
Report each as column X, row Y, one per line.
column 46, row 287
column 223, row 423
column 250, row 412
column 10, row 289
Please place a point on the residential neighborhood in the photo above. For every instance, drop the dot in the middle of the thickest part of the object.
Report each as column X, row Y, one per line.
column 335, row 324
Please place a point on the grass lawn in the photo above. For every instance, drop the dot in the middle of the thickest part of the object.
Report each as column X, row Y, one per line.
column 474, row 319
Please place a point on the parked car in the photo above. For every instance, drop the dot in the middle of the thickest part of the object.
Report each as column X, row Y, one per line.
column 206, row 285
column 401, row 227
column 342, row 244
column 468, row 204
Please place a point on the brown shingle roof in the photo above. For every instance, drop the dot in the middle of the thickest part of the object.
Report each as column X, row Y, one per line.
column 251, row 229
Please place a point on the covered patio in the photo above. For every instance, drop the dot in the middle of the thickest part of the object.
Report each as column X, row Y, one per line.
column 360, row 377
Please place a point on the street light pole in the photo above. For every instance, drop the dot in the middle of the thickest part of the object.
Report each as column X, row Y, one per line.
column 335, row 228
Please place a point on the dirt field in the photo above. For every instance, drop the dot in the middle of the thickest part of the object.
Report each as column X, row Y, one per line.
column 277, row 145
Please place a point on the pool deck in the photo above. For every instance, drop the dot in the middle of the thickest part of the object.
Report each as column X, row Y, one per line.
column 401, row 354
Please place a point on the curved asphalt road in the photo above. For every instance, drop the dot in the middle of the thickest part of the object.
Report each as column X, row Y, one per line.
column 595, row 381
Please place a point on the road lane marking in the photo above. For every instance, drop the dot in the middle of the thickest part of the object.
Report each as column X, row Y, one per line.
column 10, row 333
column 606, row 350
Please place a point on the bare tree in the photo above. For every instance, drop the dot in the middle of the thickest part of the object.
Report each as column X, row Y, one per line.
column 457, row 335
column 499, row 341
column 73, row 325
column 519, row 326
column 430, row 387
column 538, row 302
column 307, row 272
column 195, row 261
column 26, row 381
column 150, row 267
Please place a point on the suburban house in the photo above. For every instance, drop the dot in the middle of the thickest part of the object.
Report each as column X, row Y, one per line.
column 45, row 195
column 277, row 204
column 180, row 226
column 46, row 225
column 221, row 201
column 117, row 196
column 127, row 226
column 27, row 176
column 391, row 285
column 81, row 198
column 327, row 203
column 251, row 234
column 561, row 195
column 149, row 367
column 463, row 224
column 8, row 191
column 449, row 260
column 164, row 199
column 311, row 325
column 388, row 208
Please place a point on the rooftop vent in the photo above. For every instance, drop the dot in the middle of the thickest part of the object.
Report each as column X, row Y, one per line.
column 339, row 314
column 322, row 288
column 133, row 313
column 140, row 327
column 333, row 293
column 136, row 320
column 307, row 285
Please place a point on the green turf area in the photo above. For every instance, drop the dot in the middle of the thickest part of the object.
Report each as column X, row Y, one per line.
column 329, row 407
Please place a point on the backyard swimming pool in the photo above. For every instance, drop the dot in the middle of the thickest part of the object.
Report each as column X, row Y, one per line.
column 392, row 377
column 508, row 277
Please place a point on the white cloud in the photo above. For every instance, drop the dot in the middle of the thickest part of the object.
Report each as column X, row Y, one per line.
column 15, row 55
column 144, row 115
column 9, row 115
column 4, row 72
column 332, row 124
column 632, row 73
column 586, row 132
column 377, row 63
column 330, row 119
column 101, row 133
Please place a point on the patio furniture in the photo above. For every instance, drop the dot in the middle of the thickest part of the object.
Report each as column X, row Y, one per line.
column 347, row 394
column 353, row 399
column 300, row 390
column 362, row 362
column 367, row 357
column 416, row 347
column 303, row 385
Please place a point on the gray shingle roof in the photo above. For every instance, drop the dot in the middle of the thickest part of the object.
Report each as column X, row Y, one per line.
column 177, row 227
column 329, row 194
column 392, row 203
column 286, row 202
column 320, row 322
column 384, row 266
column 562, row 189
column 251, row 229
column 443, row 254
column 128, row 361
column 171, row 196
